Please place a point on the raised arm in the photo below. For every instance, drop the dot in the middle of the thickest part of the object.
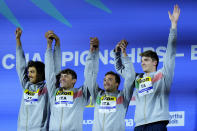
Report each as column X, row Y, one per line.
column 169, row 59
column 51, row 67
column 124, row 67
column 57, row 54
column 91, row 68
column 129, row 80
column 20, row 59
column 121, row 59
column 18, row 34
column 174, row 17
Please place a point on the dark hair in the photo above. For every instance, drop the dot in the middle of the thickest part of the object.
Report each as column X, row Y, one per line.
column 117, row 77
column 39, row 68
column 153, row 55
column 66, row 71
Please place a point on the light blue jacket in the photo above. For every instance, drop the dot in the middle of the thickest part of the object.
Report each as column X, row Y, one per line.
column 64, row 118
column 113, row 121
column 155, row 106
column 31, row 117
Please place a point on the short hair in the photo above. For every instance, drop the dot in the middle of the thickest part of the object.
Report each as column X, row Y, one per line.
column 117, row 77
column 153, row 55
column 40, row 68
column 66, row 71
column 70, row 72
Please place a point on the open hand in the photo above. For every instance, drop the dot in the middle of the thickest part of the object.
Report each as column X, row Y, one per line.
column 174, row 16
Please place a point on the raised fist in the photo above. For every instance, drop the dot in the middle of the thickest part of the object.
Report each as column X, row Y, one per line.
column 49, row 34
column 94, row 44
column 18, row 33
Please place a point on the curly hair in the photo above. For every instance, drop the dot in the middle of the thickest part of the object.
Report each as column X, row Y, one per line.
column 40, row 68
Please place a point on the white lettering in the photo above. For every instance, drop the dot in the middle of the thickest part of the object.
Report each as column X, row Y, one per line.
column 104, row 58
column 66, row 56
column 139, row 51
column 129, row 122
column 88, row 122
column 76, row 58
column 4, row 61
column 194, row 52
column 111, row 61
column 161, row 50
column 132, row 55
column 36, row 57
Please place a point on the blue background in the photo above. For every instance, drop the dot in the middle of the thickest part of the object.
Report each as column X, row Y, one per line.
column 144, row 23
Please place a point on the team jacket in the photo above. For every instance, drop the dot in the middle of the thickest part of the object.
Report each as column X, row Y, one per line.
column 152, row 92
column 110, row 108
column 34, row 109
column 66, row 106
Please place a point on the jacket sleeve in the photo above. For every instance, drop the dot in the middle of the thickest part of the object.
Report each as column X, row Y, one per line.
column 90, row 74
column 50, row 74
column 124, row 67
column 169, row 58
column 57, row 59
column 21, row 66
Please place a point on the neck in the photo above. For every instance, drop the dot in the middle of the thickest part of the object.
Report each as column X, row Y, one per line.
column 67, row 88
column 111, row 91
column 148, row 72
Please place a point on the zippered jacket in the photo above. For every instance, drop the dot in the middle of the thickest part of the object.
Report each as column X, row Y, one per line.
column 110, row 108
column 66, row 106
column 152, row 91
column 34, row 109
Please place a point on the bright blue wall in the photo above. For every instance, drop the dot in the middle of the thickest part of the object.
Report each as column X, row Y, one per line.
column 144, row 23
